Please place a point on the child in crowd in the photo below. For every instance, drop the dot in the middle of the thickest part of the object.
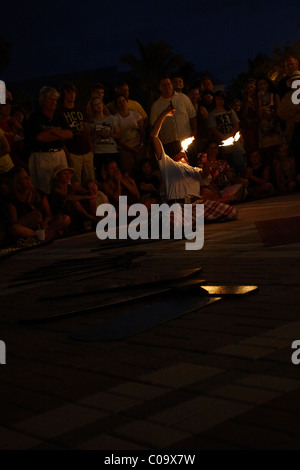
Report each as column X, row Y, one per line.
column 285, row 170
column 258, row 175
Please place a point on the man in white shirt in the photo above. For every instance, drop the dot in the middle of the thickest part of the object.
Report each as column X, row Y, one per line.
column 176, row 127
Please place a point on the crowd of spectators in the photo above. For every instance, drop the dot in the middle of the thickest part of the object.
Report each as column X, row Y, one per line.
column 60, row 162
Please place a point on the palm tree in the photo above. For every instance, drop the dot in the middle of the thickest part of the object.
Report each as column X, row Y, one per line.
column 156, row 59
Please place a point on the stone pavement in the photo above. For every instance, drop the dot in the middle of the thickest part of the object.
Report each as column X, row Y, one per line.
column 220, row 377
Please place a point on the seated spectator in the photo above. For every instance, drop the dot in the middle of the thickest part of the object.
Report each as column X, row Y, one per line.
column 46, row 133
column 225, row 186
column 149, row 184
column 104, row 132
column 29, row 210
column 116, row 184
column 131, row 143
column 285, row 170
column 223, row 123
column 6, row 163
column 258, row 174
column 68, row 198
column 96, row 198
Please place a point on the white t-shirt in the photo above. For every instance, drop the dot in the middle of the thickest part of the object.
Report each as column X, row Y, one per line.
column 176, row 127
column 180, row 179
column 104, row 144
column 129, row 127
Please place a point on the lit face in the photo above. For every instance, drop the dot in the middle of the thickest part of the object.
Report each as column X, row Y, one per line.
column 212, row 151
column 64, row 176
column 70, row 96
column 166, row 88
column 220, row 100
column 98, row 92
column 255, row 158
column 124, row 90
column 291, row 65
column 178, row 83
column 121, row 103
column 237, row 105
column 50, row 102
column 92, row 187
column 97, row 105
column 282, row 151
column 112, row 169
column 207, row 84
column 262, row 85
column 194, row 95
column 23, row 181
column 251, row 88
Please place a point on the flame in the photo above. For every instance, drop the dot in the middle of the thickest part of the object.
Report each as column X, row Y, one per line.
column 185, row 143
column 231, row 140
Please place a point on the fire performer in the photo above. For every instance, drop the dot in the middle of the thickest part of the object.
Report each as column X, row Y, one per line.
column 182, row 181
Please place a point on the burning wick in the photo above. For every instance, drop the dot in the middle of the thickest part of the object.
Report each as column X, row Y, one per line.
column 230, row 140
column 184, row 145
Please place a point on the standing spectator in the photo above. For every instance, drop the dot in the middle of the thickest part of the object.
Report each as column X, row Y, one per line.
column 249, row 117
column 45, row 136
column 291, row 66
column 223, row 123
column 202, row 120
column 178, row 126
column 178, row 84
column 80, row 148
column 97, row 91
column 131, row 144
column 206, row 84
column 269, row 131
column 123, row 89
column 104, row 132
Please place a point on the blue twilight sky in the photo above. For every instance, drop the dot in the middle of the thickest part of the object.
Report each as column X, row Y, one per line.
column 49, row 37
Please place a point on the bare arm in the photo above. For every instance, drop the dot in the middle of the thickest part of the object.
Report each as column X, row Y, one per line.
column 158, row 147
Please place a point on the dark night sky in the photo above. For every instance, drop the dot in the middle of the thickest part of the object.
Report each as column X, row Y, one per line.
column 49, row 38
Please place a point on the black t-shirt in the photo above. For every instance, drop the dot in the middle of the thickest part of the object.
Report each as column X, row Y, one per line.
column 37, row 123
column 80, row 143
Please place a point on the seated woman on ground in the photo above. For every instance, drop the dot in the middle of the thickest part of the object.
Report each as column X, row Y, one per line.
column 29, row 210
column 225, row 186
column 285, row 170
column 116, row 184
column 258, row 174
